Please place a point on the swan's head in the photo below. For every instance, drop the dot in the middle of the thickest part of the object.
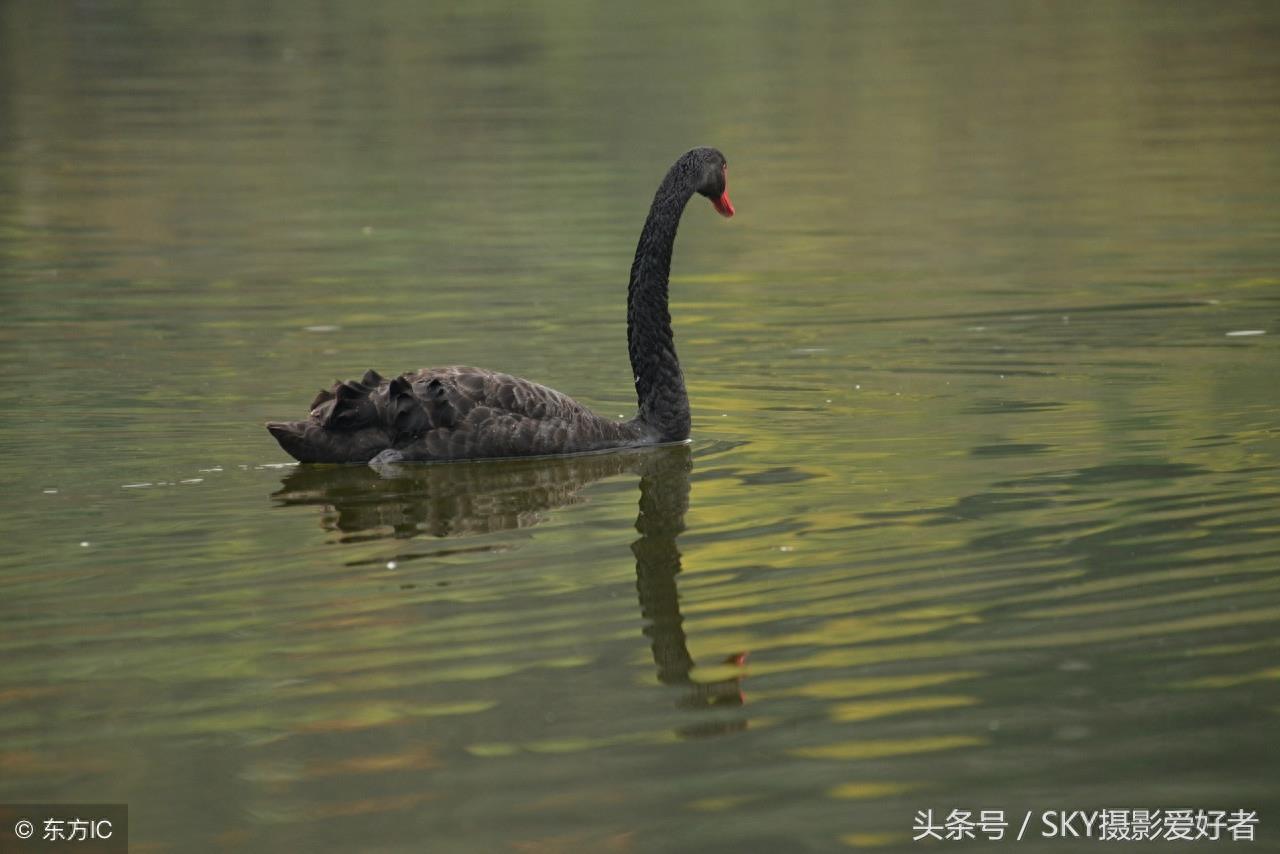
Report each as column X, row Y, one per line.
column 713, row 178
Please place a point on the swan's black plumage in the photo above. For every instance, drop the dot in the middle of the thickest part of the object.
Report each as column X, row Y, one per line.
column 458, row 413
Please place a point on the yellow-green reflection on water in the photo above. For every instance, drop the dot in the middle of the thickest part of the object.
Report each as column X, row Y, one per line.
column 981, row 509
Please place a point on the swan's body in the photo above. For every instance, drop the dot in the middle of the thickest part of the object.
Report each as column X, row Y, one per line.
column 455, row 413
column 459, row 413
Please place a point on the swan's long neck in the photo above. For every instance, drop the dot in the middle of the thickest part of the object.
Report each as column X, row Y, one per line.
column 664, row 403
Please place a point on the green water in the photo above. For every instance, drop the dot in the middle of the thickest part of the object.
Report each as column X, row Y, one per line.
column 982, row 507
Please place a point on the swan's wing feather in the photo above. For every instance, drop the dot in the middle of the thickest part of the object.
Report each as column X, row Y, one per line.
column 445, row 414
column 456, row 391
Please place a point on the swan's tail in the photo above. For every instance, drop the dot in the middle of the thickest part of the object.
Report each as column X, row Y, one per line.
column 354, row 421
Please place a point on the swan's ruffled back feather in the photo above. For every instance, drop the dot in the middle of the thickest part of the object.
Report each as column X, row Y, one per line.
column 448, row 414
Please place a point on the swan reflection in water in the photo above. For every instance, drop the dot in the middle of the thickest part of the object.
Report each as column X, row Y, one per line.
column 464, row 499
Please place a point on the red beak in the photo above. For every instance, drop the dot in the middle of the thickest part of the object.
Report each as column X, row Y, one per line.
column 723, row 205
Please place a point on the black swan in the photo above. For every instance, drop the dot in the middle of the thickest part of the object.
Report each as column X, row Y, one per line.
column 460, row 413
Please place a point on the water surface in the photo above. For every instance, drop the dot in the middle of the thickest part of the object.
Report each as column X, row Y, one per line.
column 981, row 510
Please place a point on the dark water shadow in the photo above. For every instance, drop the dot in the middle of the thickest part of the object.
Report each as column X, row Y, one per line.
column 464, row 499
column 446, row 500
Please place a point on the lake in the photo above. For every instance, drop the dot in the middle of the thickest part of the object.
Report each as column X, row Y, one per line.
column 981, row 510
